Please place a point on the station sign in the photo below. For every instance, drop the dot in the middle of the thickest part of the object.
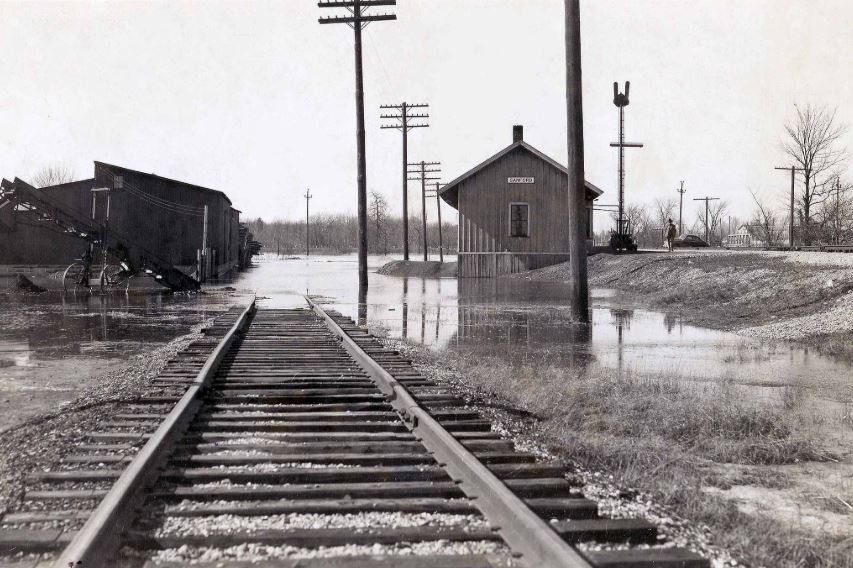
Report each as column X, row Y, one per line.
column 521, row 180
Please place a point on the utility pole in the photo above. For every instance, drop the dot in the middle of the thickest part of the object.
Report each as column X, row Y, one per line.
column 204, row 250
column 621, row 101
column 422, row 174
column 441, row 240
column 681, row 191
column 707, row 229
column 837, row 210
column 794, row 171
column 307, row 197
column 438, row 209
column 357, row 20
column 404, row 126
column 579, row 291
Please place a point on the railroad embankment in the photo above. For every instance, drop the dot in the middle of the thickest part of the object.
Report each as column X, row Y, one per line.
column 805, row 296
column 419, row 269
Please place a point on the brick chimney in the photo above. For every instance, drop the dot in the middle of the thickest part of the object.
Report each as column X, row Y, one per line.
column 517, row 133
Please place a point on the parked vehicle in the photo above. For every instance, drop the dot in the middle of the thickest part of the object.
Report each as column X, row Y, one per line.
column 626, row 241
column 689, row 241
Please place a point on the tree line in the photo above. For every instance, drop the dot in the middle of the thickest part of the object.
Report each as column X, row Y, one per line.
column 338, row 234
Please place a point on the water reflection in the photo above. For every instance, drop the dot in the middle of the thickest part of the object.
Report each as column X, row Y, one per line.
column 57, row 325
column 513, row 319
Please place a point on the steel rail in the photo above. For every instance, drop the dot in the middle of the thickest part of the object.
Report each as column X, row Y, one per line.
column 99, row 539
column 522, row 529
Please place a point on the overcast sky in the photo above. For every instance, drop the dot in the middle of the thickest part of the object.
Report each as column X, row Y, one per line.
column 257, row 99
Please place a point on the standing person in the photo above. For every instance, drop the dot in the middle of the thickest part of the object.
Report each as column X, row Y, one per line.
column 671, row 233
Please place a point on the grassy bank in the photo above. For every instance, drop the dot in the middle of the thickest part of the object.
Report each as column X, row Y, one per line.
column 801, row 296
column 420, row 269
column 690, row 446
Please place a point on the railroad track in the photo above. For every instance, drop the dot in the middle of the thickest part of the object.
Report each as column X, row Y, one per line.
column 299, row 440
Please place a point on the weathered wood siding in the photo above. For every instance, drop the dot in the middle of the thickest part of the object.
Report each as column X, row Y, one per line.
column 486, row 248
column 174, row 235
column 169, row 232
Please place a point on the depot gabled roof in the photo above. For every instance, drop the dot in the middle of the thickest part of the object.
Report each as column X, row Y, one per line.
column 450, row 191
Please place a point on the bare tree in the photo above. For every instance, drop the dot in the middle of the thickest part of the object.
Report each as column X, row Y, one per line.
column 717, row 210
column 835, row 214
column 53, row 175
column 415, row 233
column 378, row 210
column 765, row 224
column 640, row 224
column 664, row 210
column 716, row 214
column 813, row 145
column 637, row 217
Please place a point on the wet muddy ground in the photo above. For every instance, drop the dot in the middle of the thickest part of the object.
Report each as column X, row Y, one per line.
column 53, row 346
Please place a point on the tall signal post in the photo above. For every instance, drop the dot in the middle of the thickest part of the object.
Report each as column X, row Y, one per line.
column 421, row 172
column 307, row 196
column 681, row 191
column 793, row 171
column 621, row 101
column 401, row 122
column 357, row 20
column 707, row 228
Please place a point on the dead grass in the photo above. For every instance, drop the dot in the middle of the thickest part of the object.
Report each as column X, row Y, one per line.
column 712, row 421
column 670, row 440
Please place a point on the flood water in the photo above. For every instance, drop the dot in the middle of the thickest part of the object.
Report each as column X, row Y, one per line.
column 53, row 345
column 512, row 319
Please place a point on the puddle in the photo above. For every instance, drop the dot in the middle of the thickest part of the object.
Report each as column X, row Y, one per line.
column 53, row 345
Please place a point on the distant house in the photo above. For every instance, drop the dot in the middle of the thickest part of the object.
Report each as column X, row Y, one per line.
column 513, row 211
column 747, row 236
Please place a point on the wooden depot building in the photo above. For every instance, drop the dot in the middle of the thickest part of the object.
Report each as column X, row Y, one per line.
column 513, row 210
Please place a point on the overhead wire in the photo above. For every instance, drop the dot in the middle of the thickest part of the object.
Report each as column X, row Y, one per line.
column 160, row 202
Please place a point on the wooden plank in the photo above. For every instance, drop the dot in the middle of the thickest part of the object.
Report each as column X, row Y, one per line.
column 340, row 491
column 78, row 475
column 375, row 561
column 571, row 508
column 13, row 541
column 326, row 507
column 65, row 494
column 634, row 531
column 312, row 475
column 647, row 558
column 349, row 459
column 273, row 426
column 44, row 516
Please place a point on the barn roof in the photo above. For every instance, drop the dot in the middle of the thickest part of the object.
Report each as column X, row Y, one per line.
column 450, row 191
column 160, row 178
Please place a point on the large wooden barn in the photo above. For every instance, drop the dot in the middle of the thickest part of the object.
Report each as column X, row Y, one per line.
column 158, row 214
column 513, row 210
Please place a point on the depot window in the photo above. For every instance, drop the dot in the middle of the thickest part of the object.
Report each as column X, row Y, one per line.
column 519, row 220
